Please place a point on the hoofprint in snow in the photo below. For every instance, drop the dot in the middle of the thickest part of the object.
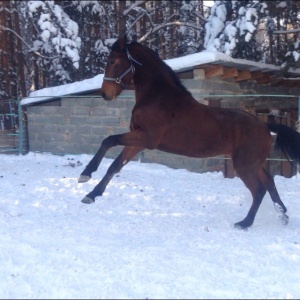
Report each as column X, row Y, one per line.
column 155, row 233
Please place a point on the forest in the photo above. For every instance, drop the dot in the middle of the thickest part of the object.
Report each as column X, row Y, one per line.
column 48, row 43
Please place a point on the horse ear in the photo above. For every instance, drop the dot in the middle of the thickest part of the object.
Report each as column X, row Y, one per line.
column 122, row 42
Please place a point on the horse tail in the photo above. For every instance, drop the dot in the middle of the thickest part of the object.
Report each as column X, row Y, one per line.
column 288, row 140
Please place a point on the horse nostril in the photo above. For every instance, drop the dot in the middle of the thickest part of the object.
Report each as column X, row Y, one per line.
column 103, row 95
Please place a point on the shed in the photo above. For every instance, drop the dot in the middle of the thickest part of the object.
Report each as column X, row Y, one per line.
column 73, row 119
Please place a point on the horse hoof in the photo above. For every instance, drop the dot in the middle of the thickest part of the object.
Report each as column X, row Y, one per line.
column 284, row 219
column 87, row 200
column 241, row 226
column 83, row 178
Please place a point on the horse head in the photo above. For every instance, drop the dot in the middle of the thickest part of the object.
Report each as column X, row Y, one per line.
column 119, row 70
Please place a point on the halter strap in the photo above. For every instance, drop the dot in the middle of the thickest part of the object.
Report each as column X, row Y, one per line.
column 131, row 59
column 118, row 80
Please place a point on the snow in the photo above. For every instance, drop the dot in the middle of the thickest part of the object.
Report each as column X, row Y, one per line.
column 155, row 233
column 296, row 55
column 66, row 89
column 282, row 4
column 34, row 5
column 45, row 35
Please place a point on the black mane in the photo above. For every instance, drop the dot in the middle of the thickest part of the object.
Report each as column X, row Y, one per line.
column 164, row 67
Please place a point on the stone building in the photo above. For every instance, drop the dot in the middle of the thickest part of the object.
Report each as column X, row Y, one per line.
column 77, row 123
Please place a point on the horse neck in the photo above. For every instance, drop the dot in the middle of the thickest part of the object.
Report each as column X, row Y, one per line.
column 150, row 80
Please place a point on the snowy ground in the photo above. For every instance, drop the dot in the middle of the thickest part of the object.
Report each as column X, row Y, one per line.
column 155, row 233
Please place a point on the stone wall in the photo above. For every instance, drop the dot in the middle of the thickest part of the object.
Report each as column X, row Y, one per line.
column 77, row 125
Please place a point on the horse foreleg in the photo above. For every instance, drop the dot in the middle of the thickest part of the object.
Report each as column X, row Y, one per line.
column 125, row 156
column 94, row 163
column 136, row 139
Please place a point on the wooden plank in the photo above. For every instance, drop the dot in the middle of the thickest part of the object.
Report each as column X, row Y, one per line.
column 7, row 140
column 243, row 75
column 186, row 75
column 288, row 118
column 199, row 74
column 203, row 66
column 214, row 102
column 229, row 72
column 213, row 71
column 276, row 81
column 265, row 79
column 229, row 171
column 256, row 74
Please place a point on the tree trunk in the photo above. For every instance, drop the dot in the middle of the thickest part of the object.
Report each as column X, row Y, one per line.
column 4, row 63
column 20, row 56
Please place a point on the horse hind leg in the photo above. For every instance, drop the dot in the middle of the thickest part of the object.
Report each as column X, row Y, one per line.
column 247, row 172
column 258, row 192
column 268, row 182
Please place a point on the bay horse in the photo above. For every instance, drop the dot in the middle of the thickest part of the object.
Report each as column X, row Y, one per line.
column 167, row 117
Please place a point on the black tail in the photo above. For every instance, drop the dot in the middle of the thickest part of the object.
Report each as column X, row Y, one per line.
column 288, row 140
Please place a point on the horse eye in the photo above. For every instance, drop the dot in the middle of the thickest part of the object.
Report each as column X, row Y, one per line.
column 112, row 61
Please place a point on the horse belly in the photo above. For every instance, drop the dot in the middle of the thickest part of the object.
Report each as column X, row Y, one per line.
column 194, row 143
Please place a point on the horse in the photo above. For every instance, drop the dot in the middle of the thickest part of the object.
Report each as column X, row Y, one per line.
column 167, row 117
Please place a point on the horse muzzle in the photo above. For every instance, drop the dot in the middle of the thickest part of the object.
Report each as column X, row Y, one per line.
column 110, row 91
column 105, row 97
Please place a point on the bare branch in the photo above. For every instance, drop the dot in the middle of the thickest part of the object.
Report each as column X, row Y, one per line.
column 176, row 23
column 30, row 48
column 286, row 31
column 200, row 16
column 131, row 7
column 133, row 23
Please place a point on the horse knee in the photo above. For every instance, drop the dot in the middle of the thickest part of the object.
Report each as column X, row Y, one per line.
column 109, row 142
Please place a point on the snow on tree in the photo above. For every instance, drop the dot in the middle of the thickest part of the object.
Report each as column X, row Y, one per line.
column 283, row 29
column 70, row 40
column 172, row 28
column 97, row 21
column 231, row 27
column 190, row 12
column 56, row 36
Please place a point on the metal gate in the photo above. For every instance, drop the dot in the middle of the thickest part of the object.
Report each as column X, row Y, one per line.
column 13, row 133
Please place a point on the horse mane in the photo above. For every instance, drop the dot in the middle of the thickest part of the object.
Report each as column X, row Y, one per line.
column 164, row 68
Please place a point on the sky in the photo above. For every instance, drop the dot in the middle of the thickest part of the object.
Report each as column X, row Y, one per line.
column 155, row 233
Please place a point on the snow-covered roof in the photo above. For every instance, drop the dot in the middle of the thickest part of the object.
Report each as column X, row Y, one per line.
column 179, row 64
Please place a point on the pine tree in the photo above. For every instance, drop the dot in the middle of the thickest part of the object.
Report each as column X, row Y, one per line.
column 231, row 28
column 55, row 37
column 12, row 78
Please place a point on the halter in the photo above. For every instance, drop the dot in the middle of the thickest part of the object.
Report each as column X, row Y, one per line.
column 118, row 80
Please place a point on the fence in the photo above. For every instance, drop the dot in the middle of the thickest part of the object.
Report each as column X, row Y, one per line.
column 76, row 124
column 13, row 136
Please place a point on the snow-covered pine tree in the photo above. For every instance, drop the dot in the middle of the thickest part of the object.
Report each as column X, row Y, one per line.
column 231, row 28
column 172, row 28
column 97, row 22
column 283, row 29
column 12, row 77
column 190, row 39
column 55, row 37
